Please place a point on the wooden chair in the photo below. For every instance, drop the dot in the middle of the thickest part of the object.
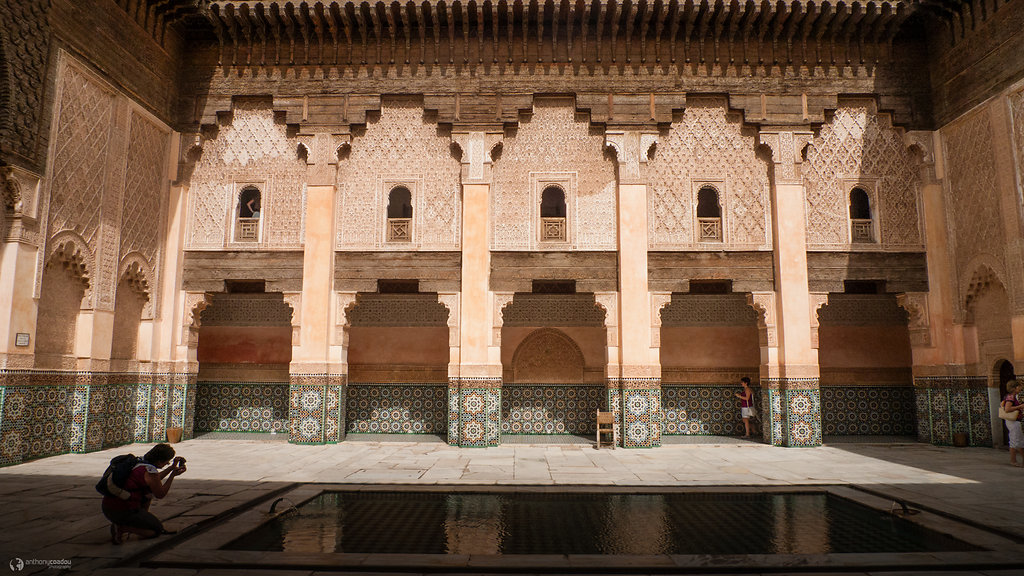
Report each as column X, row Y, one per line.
column 606, row 425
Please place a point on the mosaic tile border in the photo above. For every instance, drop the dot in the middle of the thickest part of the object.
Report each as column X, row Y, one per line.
column 478, row 404
column 241, row 406
column 794, row 406
column 868, row 410
column 952, row 405
column 640, row 411
column 379, row 408
column 550, row 408
column 316, row 408
column 703, row 409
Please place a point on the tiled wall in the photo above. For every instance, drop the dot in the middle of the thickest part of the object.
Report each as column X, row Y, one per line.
column 950, row 405
column 702, row 409
column 868, row 410
column 550, row 408
column 48, row 413
column 792, row 406
column 397, row 408
column 241, row 406
column 474, row 412
column 640, row 412
column 316, row 408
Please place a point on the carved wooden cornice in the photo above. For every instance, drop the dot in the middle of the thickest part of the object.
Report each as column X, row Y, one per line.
column 722, row 31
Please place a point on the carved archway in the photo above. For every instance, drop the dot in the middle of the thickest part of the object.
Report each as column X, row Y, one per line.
column 548, row 356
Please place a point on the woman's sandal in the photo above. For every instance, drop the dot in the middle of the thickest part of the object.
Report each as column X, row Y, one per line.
column 116, row 535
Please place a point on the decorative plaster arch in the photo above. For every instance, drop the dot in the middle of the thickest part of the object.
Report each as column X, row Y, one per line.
column 138, row 271
column 985, row 270
column 548, row 356
column 73, row 251
column 764, row 304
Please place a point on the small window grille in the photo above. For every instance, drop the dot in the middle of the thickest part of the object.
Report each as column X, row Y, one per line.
column 552, row 215
column 861, row 223
column 709, row 215
column 247, row 226
column 400, row 215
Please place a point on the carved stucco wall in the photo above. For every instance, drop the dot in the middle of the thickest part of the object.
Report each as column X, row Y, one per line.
column 26, row 47
column 251, row 147
column 79, row 170
column 553, row 145
column 976, row 232
column 858, row 147
column 401, row 148
column 1016, row 100
column 708, row 145
column 106, row 184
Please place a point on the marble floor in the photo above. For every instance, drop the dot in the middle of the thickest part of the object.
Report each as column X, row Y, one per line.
column 50, row 519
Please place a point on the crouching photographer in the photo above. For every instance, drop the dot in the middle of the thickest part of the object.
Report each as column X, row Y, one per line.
column 126, row 505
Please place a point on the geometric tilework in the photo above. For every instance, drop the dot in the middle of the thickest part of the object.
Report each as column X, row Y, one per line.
column 950, row 405
column 795, row 411
column 44, row 413
column 641, row 412
column 702, row 409
column 868, row 410
column 550, row 408
column 241, row 406
column 397, row 408
column 316, row 408
column 479, row 412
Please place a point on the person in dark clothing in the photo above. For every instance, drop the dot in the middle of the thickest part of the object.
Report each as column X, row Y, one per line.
column 147, row 480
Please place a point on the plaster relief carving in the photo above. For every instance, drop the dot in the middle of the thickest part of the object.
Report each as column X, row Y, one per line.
column 252, row 147
column 972, row 206
column 547, row 356
column 764, row 303
column 916, row 305
column 344, row 302
column 401, row 145
column 553, row 309
column 859, row 144
column 398, row 310
column 451, row 302
column 659, row 302
column 609, row 302
column 707, row 143
column 139, row 273
column 1017, row 115
column 817, row 300
column 553, row 140
column 501, row 301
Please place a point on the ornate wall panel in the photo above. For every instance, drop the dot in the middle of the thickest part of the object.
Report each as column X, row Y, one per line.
column 708, row 310
column 868, row 410
column 708, row 145
column 953, row 405
column 972, row 200
column 398, row 310
column 25, row 51
column 552, row 310
column 401, row 148
column 253, row 147
column 78, row 166
column 1017, row 112
column 247, row 310
column 553, row 141
column 860, row 147
column 550, row 408
column 862, row 310
column 702, row 410
column 142, row 216
column 397, row 408
column 241, row 406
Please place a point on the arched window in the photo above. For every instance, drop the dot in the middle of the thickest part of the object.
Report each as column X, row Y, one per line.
column 400, row 215
column 709, row 215
column 248, row 227
column 861, row 227
column 552, row 214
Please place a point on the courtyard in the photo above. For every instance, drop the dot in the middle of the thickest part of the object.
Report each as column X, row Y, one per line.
column 51, row 519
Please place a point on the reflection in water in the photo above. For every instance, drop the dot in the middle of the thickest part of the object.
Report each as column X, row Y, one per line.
column 629, row 524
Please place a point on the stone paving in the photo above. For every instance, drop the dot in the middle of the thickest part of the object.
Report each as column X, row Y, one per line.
column 49, row 510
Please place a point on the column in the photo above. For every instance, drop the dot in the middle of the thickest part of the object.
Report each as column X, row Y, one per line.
column 474, row 385
column 635, row 391
column 789, row 369
column 317, row 382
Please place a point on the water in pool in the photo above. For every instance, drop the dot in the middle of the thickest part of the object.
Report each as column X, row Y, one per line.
column 531, row 523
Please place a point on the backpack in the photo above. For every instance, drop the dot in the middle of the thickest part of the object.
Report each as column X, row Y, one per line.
column 114, row 479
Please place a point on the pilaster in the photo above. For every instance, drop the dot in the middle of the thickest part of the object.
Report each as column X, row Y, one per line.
column 789, row 363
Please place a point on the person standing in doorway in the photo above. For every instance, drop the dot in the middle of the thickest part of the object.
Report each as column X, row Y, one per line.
column 746, row 404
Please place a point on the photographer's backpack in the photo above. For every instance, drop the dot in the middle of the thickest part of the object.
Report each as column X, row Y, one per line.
column 116, row 476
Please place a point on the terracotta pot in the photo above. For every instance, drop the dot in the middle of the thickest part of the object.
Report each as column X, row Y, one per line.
column 173, row 435
column 960, row 439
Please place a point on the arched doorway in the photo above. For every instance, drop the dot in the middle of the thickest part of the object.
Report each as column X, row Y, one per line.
column 553, row 353
column 864, row 354
column 245, row 346
column 708, row 342
column 398, row 356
